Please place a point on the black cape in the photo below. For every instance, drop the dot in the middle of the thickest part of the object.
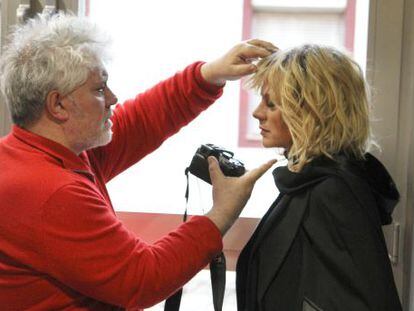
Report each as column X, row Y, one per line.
column 320, row 246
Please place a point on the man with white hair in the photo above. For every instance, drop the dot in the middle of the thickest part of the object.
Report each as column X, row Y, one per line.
column 61, row 245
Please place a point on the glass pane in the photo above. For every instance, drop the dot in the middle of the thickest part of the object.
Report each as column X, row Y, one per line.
column 293, row 28
column 341, row 24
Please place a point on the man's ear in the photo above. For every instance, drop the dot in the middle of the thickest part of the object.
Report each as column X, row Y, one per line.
column 55, row 106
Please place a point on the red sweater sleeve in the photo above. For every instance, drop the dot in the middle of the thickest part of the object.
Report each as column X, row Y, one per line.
column 88, row 249
column 141, row 124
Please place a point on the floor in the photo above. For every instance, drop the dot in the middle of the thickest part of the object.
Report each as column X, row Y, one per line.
column 197, row 294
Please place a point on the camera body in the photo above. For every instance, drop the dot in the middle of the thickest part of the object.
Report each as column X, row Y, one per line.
column 228, row 165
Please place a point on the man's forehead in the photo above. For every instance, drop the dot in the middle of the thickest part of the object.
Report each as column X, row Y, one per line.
column 98, row 74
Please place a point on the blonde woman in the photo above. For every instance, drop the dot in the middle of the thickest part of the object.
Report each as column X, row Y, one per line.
column 320, row 245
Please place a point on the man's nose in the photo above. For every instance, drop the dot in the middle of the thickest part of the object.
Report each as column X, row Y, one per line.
column 111, row 98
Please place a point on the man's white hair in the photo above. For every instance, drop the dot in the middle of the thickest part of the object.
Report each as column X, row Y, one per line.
column 48, row 53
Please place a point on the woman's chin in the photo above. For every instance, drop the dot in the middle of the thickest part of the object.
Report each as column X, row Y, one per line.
column 267, row 144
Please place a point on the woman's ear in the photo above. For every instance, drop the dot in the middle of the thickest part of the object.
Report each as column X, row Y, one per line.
column 55, row 106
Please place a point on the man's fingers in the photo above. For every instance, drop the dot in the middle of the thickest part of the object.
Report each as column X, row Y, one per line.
column 264, row 44
column 214, row 169
column 245, row 69
column 256, row 173
column 253, row 51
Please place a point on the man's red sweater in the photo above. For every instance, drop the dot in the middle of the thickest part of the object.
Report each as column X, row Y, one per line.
column 61, row 245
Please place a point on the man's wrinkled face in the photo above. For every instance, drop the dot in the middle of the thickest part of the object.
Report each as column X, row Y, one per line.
column 90, row 112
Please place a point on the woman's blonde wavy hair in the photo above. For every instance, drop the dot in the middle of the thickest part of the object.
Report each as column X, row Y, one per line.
column 323, row 98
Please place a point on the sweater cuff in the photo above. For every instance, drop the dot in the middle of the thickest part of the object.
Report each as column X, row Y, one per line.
column 205, row 85
column 209, row 233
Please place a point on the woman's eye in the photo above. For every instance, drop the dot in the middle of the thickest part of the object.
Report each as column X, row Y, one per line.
column 270, row 104
column 101, row 90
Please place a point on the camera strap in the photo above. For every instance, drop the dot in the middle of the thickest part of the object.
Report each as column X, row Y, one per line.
column 217, row 273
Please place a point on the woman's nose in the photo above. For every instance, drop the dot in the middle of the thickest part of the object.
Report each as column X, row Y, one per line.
column 258, row 112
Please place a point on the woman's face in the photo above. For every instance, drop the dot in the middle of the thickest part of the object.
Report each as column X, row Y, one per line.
column 274, row 130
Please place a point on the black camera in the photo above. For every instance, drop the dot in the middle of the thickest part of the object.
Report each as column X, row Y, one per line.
column 228, row 165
